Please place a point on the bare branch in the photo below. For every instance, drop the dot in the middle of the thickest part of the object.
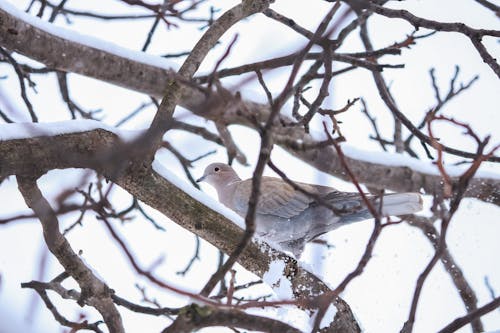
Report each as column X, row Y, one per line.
column 20, row 76
column 462, row 321
column 163, row 117
column 373, row 121
column 389, row 101
column 446, row 216
column 94, row 291
column 463, row 287
column 475, row 35
column 490, row 6
column 195, row 317
column 40, row 289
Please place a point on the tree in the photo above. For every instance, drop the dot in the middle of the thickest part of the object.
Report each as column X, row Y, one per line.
column 295, row 116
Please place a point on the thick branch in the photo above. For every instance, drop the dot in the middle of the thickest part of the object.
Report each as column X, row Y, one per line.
column 163, row 117
column 24, row 38
column 37, row 155
column 196, row 317
column 32, row 42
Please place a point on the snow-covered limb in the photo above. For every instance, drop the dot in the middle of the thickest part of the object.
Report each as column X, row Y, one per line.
column 86, row 40
column 373, row 169
column 130, row 69
column 35, row 155
column 160, row 189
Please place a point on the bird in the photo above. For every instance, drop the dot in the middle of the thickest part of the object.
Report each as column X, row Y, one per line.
column 287, row 217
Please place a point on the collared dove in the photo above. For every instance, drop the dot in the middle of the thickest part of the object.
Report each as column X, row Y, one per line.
column 288, row 218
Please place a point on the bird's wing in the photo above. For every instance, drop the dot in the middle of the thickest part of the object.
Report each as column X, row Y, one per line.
column 277, row 198
column 345, row 202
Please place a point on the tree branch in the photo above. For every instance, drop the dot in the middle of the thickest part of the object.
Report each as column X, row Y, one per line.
column 160, row 194
column 196, row 317
column 464, row 289
column 475, row 35
column 94, row 291
column 462, row 321
column 22, row 37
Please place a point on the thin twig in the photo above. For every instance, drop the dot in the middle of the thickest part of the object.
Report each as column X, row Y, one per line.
column 462, row 321
column 196, row 256
column 324, row 301
column 459, row 190
column 20, row 76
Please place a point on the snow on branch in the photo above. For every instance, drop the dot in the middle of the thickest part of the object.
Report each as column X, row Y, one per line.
column 169, row 195
column 370, row 168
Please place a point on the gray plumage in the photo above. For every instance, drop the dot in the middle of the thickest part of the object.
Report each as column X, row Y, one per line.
column 288, row 218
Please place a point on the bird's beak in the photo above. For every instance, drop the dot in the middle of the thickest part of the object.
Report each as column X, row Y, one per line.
column 202, row 178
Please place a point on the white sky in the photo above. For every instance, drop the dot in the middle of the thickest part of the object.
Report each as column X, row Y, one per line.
column 380, row 297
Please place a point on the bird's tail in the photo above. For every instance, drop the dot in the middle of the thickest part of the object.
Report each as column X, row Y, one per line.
column 401, row 204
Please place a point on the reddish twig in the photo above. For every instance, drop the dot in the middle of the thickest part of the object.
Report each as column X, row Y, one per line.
column 213, row 76
column 389, row 101
column 458, row 192
column 265, row 151
column 456, row 274
column 148, row 275
column 230, row 290
column 324, row 301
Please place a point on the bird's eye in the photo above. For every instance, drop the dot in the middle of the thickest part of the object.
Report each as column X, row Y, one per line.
column 216, row 169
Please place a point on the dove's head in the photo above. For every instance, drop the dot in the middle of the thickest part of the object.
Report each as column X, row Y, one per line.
column 219, row 175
